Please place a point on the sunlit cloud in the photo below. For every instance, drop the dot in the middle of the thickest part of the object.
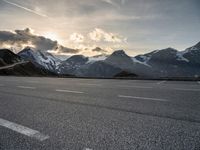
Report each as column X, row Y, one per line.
column 101, row 35
column 21, row 38
column 76, row 37
column 51, row 35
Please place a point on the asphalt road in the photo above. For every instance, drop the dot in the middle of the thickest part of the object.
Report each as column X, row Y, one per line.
column 96, row 114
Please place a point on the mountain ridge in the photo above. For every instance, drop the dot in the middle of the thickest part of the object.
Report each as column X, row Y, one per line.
column 167, row 62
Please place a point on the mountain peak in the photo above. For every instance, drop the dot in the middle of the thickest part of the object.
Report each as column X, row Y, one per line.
column 119, row 53
column 77, row 58
column 31, row 49
column 197, row 45
column 169, row 49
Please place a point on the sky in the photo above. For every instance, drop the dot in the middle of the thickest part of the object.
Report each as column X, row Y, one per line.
column 93, row 27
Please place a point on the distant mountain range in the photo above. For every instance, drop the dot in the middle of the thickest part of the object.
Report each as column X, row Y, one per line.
column 167, row 62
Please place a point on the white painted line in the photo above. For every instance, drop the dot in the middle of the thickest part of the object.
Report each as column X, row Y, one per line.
column 161, row 82
column 90, row 84
column 26, row 87
column 23, row 130
column 198, row 82
column 143, row 98
column 68, row 91
column 182, row 89
column 87, row 149
column 32, row 81
column 140, row 87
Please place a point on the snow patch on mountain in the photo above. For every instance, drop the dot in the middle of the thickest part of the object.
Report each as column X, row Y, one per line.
column 181, row 57
column 96, row 58
column 45, row 59
column 141, row 62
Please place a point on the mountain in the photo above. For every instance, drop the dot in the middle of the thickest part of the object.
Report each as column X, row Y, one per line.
column 192, row 54
column 72, row 64
column 120, row 59
column 99, row 69
column 40, row 59
column 7, row 57
column 25, row 69
column 128, row 64
column 97, row 58
column 12, row 64
column 170, row 62
column 82, row 66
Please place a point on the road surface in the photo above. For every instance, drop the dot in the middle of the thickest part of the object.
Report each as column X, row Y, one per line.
column 94, row 114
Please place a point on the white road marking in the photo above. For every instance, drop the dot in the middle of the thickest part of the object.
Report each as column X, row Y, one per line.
column 198, row 82
column 26, row 87
column 161, row 82
column 32, row 81
column 90, row 84
column 87, row 149
column 182, row 89
column 141, row 87
column 1, row 85
column 23, row 130
column 68, row 91
column 143, row 98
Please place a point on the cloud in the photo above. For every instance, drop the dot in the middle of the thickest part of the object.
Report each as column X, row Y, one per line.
column 109, row 2
column 98, row 49
column 25, row 8
column 101, row 35
column 123, row 2
column 77, row 38
column 96, row 42
column 115, row 3
column 21, row 38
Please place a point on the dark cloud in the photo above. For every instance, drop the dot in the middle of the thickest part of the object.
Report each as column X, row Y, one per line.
column 21, row 38
column 63, row 49
column 98, row 49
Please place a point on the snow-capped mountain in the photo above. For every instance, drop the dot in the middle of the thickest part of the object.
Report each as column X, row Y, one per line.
column 167, row 62
column 120, row 59
column 192, row 54
column 97, row 58
column 72, row 64
column 40, row 58
column 173, row 63
column 82, row 66
column 98, row 69
column 12, row 64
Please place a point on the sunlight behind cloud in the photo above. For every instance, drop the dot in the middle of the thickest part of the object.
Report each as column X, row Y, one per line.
column 52, row 36
column 100, row 35
column 76, row 38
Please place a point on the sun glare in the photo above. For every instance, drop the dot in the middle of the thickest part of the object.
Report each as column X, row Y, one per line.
column 52, row 36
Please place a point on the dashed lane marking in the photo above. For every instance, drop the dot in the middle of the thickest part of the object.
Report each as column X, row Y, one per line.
column 140, row 87
column 90, row 84
column 69, row 91
column 26, row 87
column 32, row 81
column 23, row 130
column 143, row 98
